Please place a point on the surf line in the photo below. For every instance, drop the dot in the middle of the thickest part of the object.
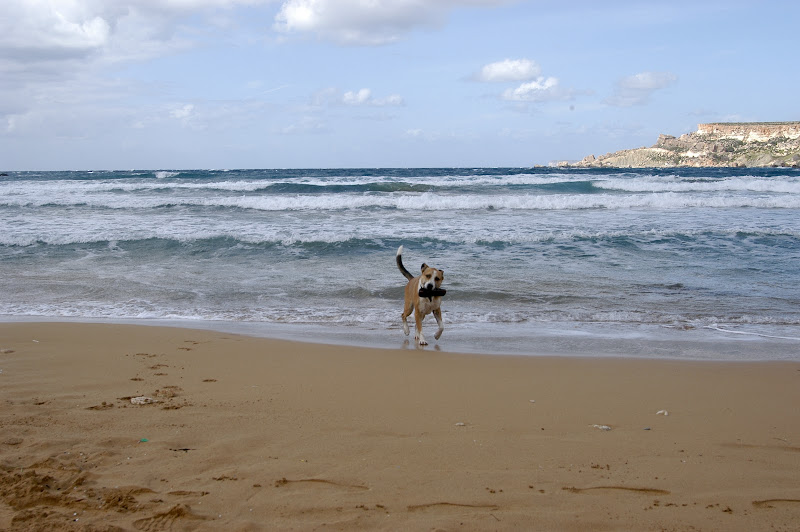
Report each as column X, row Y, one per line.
column 720, row 329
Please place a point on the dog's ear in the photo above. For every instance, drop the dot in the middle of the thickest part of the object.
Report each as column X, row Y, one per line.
column 424, row 267
column 442, row 272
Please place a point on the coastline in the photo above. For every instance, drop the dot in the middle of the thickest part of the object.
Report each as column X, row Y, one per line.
column 713, row 145
column 253, row 433
column 591, row 340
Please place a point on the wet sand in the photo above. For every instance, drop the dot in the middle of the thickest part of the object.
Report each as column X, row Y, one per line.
column 241, row 433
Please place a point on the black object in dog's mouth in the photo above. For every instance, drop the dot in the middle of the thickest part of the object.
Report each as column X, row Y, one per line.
column 432, row 292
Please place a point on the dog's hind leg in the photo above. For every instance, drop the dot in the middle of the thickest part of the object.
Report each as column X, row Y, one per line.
column 437, row 313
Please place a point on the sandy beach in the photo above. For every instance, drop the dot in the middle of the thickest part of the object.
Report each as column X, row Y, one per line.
column 241, row 433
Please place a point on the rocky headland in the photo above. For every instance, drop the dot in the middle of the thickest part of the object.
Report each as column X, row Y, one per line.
column 750, row 144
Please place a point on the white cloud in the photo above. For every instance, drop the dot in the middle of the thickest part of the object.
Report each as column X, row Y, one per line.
column 637, row 89
column 30, row 29
column 536, row 88
column 391, row 100
column 366, row 22
column 182, row 113
column 58, row 30
column 509, row 70
column 361, row 97
column 539, row 90
column 51, row 50
column 357, row 98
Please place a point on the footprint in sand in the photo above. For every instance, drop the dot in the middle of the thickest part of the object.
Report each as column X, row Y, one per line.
column 771, row 503
column 647, row 491
column 417, row 507
column 168, row 392
column 103, row 406
column 284, row 481
column 185, row 493
column 168, row 520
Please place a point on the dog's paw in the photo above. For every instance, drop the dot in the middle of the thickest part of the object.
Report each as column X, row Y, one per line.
column 438, row 334
column 422, row 342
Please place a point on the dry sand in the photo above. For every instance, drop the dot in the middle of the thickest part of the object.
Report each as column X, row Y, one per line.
column 256, row 434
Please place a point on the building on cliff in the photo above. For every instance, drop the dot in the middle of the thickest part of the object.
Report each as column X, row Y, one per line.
column 750, row 131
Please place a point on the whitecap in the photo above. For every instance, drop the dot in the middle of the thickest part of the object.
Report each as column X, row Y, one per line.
column 163, row 174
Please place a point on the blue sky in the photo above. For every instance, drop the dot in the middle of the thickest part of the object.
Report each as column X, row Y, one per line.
column 123, row 84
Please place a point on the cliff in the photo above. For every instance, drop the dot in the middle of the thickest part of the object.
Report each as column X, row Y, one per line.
column 751, row 144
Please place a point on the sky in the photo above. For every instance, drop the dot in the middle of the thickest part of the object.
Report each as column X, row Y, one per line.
column 223, row 84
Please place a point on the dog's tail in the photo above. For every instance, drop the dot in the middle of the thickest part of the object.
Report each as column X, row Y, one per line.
column 403, row 270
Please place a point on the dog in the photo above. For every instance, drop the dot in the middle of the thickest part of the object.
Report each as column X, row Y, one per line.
column 428, row 279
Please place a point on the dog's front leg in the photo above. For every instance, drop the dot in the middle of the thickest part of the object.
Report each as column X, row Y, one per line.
column 418, row 331
column 406, row 314
column 437, row 313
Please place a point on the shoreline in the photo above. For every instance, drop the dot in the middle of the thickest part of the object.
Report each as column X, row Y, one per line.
column 591, row 340
column 261, row 434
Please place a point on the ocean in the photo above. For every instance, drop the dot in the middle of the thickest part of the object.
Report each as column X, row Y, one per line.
column 673, row 263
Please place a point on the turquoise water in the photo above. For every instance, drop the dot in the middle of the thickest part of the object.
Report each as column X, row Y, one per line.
column 696, row 263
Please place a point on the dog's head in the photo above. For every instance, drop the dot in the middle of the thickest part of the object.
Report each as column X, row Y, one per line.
column 431, row 277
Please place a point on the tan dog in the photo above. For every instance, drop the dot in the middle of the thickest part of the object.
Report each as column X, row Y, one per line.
column 429, row 279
